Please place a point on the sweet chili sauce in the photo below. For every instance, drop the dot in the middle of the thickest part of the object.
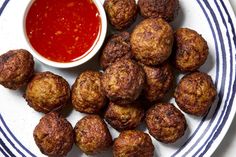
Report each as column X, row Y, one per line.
column 63, row 30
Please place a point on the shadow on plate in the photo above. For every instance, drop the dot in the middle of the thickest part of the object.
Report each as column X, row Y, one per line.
column 170, row 94
column 209, row 64
column 66, row 110
column 142, row 127
column 92, row 64
column 76, row 152
column 179, row 19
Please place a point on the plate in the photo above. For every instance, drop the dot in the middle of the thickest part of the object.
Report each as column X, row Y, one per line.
column 214, row 19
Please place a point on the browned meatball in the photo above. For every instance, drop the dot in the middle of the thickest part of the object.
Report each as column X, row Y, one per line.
column 123, row 81
column 133, row 143
column 166, row 9
column 195, row 93
column 47, row 92
column 158, row 81
column 190, row 50
column 165, row 122
column 54, row 135
column 86, row 94
column 124, row 117
column 120, row 13
column 16, row 68
column 118, row 46
column 92, row 135
column 151, row 41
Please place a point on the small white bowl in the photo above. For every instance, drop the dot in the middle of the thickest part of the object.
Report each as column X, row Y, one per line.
column 82, row 59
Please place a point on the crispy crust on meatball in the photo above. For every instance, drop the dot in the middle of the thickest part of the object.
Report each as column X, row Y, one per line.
column 16, row 68
column 166, row 9
column 133, row 143
column 92, row 135
column 124, row 117
column 117, row 47
column 158, row 81
column 121, row 13
column 47, row 92
column 123, row 81
column 151, row 41
column 165, row 122
column 87, row 95
column 54, row 135
column 195, row 93
column 190, row 50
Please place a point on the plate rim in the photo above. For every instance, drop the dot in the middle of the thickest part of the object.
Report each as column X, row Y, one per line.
column 223, row 132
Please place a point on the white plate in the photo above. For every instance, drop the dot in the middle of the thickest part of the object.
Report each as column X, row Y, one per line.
column 214, row 19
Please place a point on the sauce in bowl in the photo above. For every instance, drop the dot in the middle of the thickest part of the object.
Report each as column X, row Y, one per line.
column 63, row 30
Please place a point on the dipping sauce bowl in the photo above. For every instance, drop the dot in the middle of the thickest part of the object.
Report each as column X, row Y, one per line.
column 65, row 33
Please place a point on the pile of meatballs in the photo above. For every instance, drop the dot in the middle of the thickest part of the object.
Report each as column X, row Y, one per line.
column 137, row 74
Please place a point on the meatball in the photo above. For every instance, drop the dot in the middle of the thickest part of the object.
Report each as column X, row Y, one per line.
column 195, row 93
column 133, row 143
column 158, row 81
column 166, row 9
column 92, row 135
column 165, row 122
column 54, row 135
column 86, row 94
column 124, row 117
column 120, row 13
column 16, row 68
column 123, row 81
column 190, row 50
column 151, row 41
column 118, row 46
column 47, row 92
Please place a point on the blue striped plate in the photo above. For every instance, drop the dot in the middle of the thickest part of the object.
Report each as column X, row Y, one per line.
column 214, row 19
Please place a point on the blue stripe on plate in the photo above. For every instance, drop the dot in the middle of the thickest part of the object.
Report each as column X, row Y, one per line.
column 217, row 77
column 3, row 6
column 230, row 21
column 10, row 142
column 216, row 128
column 231, row 100
column 16, row 140
column 221, row 125
column 6, row 148
column 3, row 152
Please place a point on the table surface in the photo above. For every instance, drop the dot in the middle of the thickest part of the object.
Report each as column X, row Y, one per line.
column 227, row 148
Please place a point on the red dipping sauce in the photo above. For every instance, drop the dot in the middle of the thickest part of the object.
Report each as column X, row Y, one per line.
column 63, row 30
